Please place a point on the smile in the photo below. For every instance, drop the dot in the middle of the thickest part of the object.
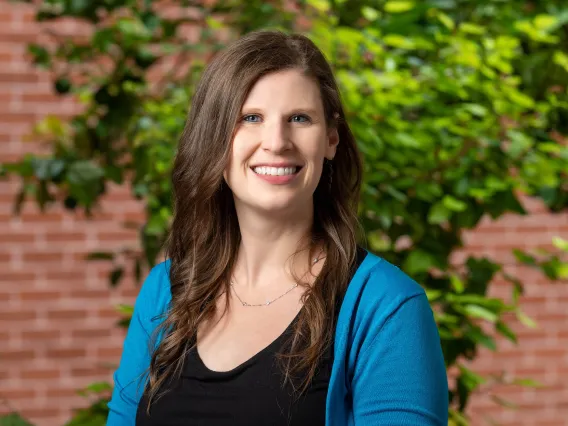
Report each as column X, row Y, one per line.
column 277, row 175
column 276, row 171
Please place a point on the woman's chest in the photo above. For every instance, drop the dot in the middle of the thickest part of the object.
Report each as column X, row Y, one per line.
column 252, row 394
column 239, row 333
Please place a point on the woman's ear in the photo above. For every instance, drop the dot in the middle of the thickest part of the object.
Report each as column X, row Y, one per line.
column 332, row 142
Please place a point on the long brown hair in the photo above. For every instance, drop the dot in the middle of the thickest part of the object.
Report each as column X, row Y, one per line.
column 205, row 236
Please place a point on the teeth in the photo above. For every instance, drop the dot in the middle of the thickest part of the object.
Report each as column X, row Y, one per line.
column 275, row 171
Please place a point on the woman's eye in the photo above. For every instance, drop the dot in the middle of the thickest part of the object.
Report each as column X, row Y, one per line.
column 300, row 119
column 251, row 118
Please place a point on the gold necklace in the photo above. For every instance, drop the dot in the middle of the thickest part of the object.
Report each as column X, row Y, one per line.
column 268, row 302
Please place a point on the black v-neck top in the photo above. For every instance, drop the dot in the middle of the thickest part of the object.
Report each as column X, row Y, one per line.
column 251, row 394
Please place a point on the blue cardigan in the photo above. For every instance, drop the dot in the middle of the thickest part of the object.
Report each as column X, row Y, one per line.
column 388, row 367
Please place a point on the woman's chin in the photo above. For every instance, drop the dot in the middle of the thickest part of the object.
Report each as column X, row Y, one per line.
column 281, row 206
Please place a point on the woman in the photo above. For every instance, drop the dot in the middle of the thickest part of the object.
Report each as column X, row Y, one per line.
column 266, row 311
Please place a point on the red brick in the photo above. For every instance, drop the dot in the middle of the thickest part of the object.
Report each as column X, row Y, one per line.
column 551, row 353
column 59, row 392
column 109, row 353
column 5, row 257
column 91, row 333
column 43, row 218
column 14, row 238
column 19, row 393
column 69, row 314
column 12, row 76
column 89, row 372
column 66, row 353
column 65, row 237
column 89, row 294
column 40, row 295
column 65, row 275
column 37, row 256
column 7, row 277
column 18, row 117
column 107, row 313
column 16, row 355
column 118, row 236
column 13, row 316
column 39, row 97
column 40, row 373
column 36, row 335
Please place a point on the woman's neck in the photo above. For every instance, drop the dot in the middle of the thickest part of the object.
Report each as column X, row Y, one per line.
column 267, row 245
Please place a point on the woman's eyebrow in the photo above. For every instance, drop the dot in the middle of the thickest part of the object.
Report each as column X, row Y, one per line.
column 308, row 110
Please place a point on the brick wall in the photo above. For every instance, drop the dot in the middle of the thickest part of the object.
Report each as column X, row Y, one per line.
column 57, row 329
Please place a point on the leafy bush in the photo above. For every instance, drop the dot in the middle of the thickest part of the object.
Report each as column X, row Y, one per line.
column 457, row 106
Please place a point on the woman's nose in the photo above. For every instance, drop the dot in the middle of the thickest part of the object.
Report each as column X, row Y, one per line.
column 276, row 137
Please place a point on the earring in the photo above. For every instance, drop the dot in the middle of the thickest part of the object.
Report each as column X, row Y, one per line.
column 330, row 174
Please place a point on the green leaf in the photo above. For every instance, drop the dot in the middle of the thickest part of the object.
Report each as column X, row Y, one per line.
column 560, row 243
column 125, row 309
column 562, row 271
column 418, row 261
column 398, row 6
column 470, row 28
column 545, row 22
column 41, row 56
column 116, row 275
column 433, row 295
column 504, row 402
column 446, row 20
column 96, row 388
column 62, row 85
column 561, row 59
column 525, row 319
column 133, row 28
column 527, row 382
column 506, row 331
column 398, row 41
column 470, row 379
column 13, row 419
column 457, row 283
column 85, row 171
column 481, row 338
column 480, row 312
column 100, row 255
column 439, row 213
column 476, row 109
column 370, row 13
column 124, row 322
column 47, row 168
column 524, row 257
column 453, row 204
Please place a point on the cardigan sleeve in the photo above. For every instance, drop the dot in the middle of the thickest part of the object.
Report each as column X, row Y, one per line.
column 130, row 377
column 400, row 377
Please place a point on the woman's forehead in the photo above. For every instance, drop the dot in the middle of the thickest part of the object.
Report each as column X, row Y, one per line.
column 285, row 89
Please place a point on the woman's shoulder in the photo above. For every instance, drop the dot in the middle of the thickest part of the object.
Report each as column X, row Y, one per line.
column 386, row 280
column 378, row 289
column 155, row 294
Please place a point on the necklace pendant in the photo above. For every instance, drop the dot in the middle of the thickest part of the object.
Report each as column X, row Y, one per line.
column 267, row 302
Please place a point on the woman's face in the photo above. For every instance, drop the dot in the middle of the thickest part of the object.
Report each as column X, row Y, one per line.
column 279, row 144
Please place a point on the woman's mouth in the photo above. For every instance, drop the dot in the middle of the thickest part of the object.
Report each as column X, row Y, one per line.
column 277, row 175
column 276, row 171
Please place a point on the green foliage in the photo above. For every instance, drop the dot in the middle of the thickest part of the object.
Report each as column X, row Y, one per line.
column 457, row 106
column 97, row 412
column 13, row 419
column 552, row 262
